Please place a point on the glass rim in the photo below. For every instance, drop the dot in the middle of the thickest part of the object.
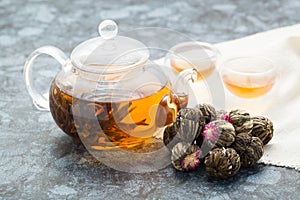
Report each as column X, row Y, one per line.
column 271, row 69
column 205, row 46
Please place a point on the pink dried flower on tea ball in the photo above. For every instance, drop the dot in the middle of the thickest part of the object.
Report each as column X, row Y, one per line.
column 210, row 132
column 191, row 161
column 225, row 117
column 185, row 156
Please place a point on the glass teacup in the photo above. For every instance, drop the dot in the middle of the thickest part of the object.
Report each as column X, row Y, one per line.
column 199, row 55
column 248, row 77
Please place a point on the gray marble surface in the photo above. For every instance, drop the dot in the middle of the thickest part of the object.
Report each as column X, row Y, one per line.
column 38, row 161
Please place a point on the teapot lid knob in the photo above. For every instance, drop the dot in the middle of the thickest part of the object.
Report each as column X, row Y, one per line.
column 108, row 29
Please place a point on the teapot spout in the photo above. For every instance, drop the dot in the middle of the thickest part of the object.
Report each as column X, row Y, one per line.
column 184, row 78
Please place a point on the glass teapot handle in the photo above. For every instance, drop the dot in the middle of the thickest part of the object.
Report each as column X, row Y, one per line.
column 41, row 101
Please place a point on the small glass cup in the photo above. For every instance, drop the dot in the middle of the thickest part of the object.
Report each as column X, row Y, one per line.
column 248, row 77
column 199, row 55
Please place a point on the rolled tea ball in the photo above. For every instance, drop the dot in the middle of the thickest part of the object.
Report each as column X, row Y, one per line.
column 170, row 137
column 262, row 128
column 223, row 115
column 208, row 111
column 241, row 121
column 253, row 153
column 226, row 133
column 185, row 156
column 242, row 141
column 222, row 162
column 188, row 130
column 250, row 149
column 219, row 132
column 189, row 124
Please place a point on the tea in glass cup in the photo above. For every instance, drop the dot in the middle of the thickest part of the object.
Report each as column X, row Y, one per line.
column 248, row 77
column 198, row 55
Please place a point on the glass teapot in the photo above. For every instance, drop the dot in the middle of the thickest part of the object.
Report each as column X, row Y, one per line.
column 109, row 94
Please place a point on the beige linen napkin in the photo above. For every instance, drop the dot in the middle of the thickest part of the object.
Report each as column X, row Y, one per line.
column 282, row 104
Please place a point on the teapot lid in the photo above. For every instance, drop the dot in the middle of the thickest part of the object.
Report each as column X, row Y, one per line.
column 109, row 53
